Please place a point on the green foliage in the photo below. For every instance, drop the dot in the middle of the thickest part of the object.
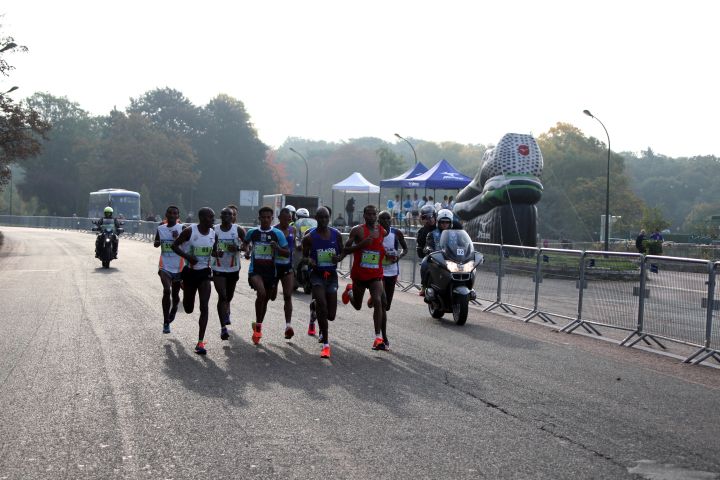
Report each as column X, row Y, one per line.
column 653, row 220
column 391, row 164
column 700, row 222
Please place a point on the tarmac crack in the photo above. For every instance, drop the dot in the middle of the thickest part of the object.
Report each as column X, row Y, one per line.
column 544, row 427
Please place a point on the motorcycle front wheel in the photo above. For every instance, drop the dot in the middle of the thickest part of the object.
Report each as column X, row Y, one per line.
column 435, row 311
column 460, row 309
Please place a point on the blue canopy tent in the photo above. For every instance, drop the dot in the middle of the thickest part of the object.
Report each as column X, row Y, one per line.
column 442, row 175
column 396, row 182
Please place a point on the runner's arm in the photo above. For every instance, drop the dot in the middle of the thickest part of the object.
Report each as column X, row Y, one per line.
column 156, row 244
column 182, row 238
column 403, row 244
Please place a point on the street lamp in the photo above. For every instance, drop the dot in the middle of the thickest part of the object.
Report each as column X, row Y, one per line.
column 307, row 170
column 413, row 148
column 607, row 186
column 12, row 89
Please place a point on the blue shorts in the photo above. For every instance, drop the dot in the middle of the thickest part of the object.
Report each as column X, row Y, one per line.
column 329, row 282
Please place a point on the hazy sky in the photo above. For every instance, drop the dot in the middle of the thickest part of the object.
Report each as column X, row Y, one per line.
column 464, row 71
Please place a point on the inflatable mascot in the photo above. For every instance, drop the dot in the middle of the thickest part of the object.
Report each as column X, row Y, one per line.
column 498, row 206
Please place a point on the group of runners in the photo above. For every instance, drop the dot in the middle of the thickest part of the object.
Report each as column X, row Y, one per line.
column 194, row 255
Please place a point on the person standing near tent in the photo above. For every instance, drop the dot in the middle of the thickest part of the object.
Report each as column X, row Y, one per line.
column 397, row 210
column 407, row 208
column 349, row 210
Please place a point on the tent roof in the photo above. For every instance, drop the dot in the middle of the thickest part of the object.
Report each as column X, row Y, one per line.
column 441, row 175
column 416, row 170
column 356, row 183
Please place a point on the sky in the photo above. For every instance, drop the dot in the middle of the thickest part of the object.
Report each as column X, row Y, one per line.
column 462, row 71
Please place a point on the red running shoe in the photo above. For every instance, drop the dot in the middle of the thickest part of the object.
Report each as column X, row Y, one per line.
column 346, row 293
column 289, row 332
column 257, row 334
column 378, row 344
column 325, row 352
column 311, row 329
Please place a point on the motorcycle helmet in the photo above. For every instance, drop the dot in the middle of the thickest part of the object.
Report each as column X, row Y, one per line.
column 427, row 210
column 445, row 215
column 108, row 211
column 291, row 208
column 302, row 213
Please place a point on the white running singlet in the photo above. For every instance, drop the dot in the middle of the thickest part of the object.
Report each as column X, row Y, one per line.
column 201, row 246
column 390, row 243
column 169, row 260
column 230, row 261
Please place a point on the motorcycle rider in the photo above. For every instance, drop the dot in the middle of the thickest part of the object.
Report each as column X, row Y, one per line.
column 444, row 222
column 303, row 224
column 107, row 219
column 427, row 216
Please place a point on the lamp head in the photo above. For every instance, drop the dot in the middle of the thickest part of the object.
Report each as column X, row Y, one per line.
column 398, row 135
column 587, row 112
column 8, row 46
column 293, row 150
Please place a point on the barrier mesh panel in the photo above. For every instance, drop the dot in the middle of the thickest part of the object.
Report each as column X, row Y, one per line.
column 518, row 280
column 559, row 278
column 715, row 332
column 676, row 303
column 486, row 276
column 612, row 292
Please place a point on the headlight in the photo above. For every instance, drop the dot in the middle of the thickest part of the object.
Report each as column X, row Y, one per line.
column 455, row 267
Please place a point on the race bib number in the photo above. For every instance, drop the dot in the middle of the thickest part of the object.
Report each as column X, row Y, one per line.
column 324, row 257
column 262, row 251
column 223, row 245
column 166, row 246
column 460, row 252
column 202, row 251
column 386, row 259
column 370, row 259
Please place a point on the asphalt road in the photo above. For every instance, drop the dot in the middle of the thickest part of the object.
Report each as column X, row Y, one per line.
column 91, row 388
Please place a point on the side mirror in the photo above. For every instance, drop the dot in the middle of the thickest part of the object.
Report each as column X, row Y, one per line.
column 479, row 258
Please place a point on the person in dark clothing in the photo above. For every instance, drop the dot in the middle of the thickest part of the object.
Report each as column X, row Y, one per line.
column 639, row 242
column 427, row 217
column 349, row 210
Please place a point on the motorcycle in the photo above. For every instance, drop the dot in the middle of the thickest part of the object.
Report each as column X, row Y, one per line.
column 452, row 275
column 106, row 252
column 302, row 274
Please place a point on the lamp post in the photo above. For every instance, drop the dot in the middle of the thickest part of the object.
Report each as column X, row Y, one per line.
column 607, row 185
column 12, row 89
column 307, row 170
column 411, row 146
column 8, row 46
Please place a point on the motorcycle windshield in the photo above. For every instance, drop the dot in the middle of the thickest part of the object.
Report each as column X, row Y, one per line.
column 457, row 246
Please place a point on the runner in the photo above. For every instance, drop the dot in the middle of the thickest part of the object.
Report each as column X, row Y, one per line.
column 265, row 243
column 323, row 246
column 284, row 268
column 196, row 277
column 395, row 249
column 366, row 244
column 234, row 222
column 170, row 266
column 226, row 266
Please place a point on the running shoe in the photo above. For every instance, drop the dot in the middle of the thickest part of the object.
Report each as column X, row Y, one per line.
column 257, row 334
column 311, row 329
column 378, row 344
column 325, row 352
column 346, row 293
column 200, row 348
column 224, row 335
column 289, row 332
column 166, row 328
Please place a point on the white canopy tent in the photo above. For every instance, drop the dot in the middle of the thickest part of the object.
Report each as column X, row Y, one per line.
column 355, row 183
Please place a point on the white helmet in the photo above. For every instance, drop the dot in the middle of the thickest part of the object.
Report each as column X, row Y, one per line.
column 302, row 213
column 445, row 214
column 291, row 208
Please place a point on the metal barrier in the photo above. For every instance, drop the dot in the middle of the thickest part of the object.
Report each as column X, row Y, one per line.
column 652, row 297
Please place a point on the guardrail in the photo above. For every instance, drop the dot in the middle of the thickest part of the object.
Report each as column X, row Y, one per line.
column 652, row 298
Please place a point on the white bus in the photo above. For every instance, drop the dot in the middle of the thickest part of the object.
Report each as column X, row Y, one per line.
column 123, row 202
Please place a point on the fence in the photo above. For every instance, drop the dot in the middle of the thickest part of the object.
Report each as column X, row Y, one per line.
column 652, row 298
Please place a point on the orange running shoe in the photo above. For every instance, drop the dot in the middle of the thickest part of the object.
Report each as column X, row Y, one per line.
column 257, row 334
column 200, row 348
column 378, row 344
column 346, row 294
column 325, row 352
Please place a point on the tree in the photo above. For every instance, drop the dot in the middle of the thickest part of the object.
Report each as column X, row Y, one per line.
column 57, row 175
column 169, row 110
column 391, row 164
column 700, row 220
column 231, row 157
column 21, row 128
column 133, row 153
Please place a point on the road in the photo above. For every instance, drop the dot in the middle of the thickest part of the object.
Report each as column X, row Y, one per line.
column 91, row 388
